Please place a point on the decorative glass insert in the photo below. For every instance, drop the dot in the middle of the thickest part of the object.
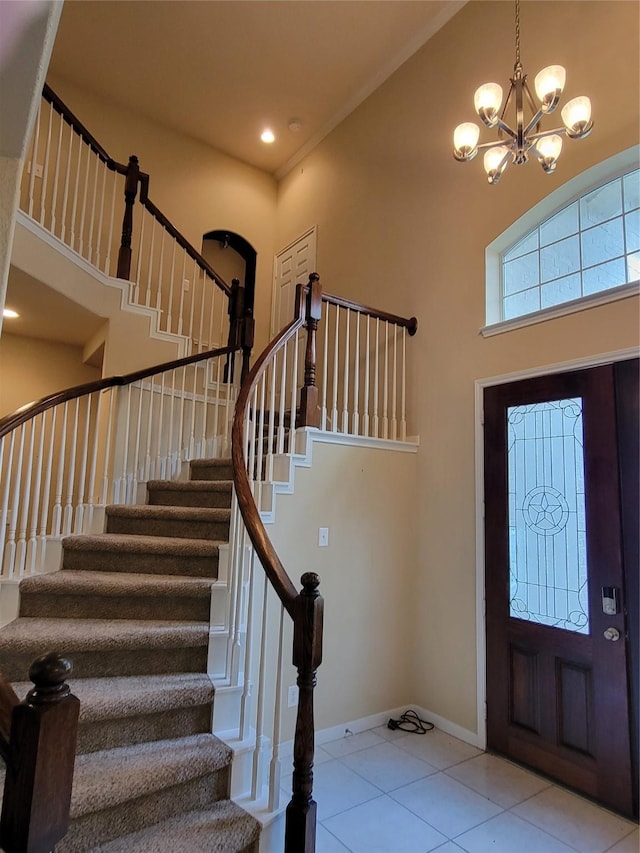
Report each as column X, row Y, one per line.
column 589, row 246
column 547, row 527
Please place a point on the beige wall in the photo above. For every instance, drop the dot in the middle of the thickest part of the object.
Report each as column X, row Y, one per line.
column 402, row 226
column 198, row 188
column 365, row 498
column 31, row 369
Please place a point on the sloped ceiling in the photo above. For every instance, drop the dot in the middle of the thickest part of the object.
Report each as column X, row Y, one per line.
column 222, row 71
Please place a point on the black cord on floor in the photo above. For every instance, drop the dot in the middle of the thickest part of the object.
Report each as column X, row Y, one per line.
column 410, row 722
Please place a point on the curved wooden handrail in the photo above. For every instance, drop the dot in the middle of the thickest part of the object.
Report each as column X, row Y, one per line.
column 410, row 323
column 25, row 413
column 177, row 236
column 275, row 571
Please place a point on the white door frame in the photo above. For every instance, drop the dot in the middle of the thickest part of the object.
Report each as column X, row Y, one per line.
column 479, row 386
column 274, row 296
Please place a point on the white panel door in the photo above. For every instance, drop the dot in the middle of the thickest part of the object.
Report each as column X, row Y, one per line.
column 293, row 265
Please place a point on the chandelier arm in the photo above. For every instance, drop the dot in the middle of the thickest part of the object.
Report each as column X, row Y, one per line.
column 505, row 127
column 496, row 144
column 561, row 131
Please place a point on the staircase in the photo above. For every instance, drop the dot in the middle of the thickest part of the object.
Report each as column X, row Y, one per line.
column 131, row 609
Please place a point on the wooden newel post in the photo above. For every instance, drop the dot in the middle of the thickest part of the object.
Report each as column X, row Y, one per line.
column 247, row 335
column 130, row 191
column 42, row 751
column 300, row 831
column 234, row 310
column 309, row 414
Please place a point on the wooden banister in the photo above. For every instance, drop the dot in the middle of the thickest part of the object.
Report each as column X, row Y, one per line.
column 40, row 761
column 409, row 323
column 177, row 236
column 309, row 414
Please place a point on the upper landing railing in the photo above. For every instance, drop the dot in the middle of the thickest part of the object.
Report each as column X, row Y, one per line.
column 75, row 190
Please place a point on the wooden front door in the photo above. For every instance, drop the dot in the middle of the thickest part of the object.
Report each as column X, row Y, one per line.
column 557, row 686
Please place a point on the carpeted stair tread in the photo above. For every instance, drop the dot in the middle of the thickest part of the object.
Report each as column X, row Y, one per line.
column 224, row 828
column 141, row 544
column 101, row 698
column 116, row 584
column 27, row 635
column 112, row 777
column 182, row 513
column 191, row 485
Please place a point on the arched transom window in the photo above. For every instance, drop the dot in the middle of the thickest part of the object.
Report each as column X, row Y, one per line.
column 589, row 246
column 577, row 248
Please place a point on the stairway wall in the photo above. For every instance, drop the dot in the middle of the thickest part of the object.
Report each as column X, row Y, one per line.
column 366, row 497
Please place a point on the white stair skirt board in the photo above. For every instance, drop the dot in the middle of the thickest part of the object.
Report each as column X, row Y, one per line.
column 27, row 229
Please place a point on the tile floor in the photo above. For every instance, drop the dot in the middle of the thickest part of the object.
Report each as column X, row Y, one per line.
column 386, row 791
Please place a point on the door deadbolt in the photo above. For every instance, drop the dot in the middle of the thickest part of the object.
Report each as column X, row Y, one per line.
column 612, row 634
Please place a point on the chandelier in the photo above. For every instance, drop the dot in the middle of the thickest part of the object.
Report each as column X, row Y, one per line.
column 516, row 145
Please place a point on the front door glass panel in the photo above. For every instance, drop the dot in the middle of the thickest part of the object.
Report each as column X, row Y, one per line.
column 547, row 528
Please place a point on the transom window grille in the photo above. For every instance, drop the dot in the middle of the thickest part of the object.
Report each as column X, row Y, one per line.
column 590, row 246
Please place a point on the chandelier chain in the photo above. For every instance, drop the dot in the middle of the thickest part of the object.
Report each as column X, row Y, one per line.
column 518, row 34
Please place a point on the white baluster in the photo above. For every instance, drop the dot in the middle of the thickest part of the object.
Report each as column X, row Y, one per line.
column 32, row 542
column 44, row 514
column 272, row 415
column 45, row 168
column 107, row 260
column 114, row 395
column 385, row 390
column 10, row 550
column 345, row 390
column 160, row 273
column 159, row 467
column 120, row 490
column 192, row 294
column 182, row 292
column 283, row 396
column 67, row 515
column 84, row 456
column 135, row 285
column 94, row 200
column 356, row 378
column 234, row 649
column 248, row 651
column 294, row 396
column 146, row 475
column 166, row 474
column 91, row 496
column 325, row 366
column 394, row 389
column 34, row 159
column 171, row 280
column 56, row 177
column 84, row 201
column 74, row 203
column 147, row 299
column 258, row 752
column 181, row 440
column 365, row 415
column 275, row 770
column 403, row 409
column 56, row 524
column 65, row 194
column 4, row 513
column 101, row 216
column 23, row 480
column 376, row 374
column 135, row 467
column 334, row 408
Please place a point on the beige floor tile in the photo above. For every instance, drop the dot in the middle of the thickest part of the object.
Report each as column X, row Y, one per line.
column 499, row 780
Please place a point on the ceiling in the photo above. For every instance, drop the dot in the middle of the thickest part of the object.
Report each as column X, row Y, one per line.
column 222, row 71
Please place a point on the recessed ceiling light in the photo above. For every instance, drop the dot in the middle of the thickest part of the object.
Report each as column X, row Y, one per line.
column 9, row 313
column 295, row 125
column 267, row 136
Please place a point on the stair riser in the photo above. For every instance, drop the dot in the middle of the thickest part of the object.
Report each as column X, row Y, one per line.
column 211, row 472
column 140, row 563
column 116, row 607
column 183, row 497
column 179, row 528
column 95, row 735
column 114, row 663
column 96, row 828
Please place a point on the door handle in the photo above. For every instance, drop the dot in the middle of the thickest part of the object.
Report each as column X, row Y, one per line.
column 612, row 634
